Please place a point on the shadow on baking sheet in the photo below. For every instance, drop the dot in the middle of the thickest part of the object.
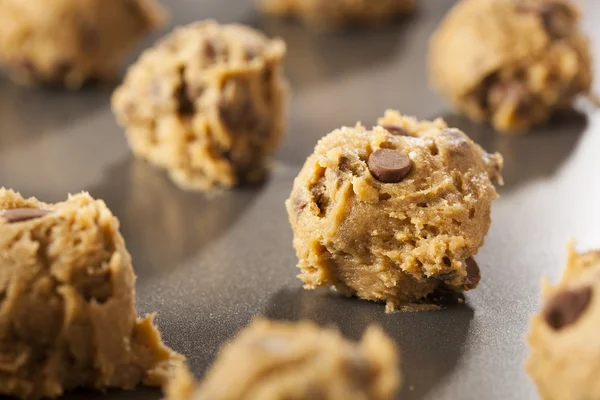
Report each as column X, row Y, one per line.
column 28, row 113
column 163, row 225
column 431, row 342
column 531, row 156
column 314, row 57
column 137, row 394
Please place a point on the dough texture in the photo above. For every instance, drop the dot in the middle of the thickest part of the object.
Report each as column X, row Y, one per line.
column 206, row 103
column 510, row 62
column 300, row 361
column 339, row 13
column 396, row 241
column 70, row 42
column 67, row 314
column 564, row 359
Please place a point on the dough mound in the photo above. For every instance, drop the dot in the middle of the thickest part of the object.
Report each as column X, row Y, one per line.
column 395, row 242
column 70, row 42
column 67, row 315
column 564, row 359
column 510, row 62
column 300, row 361
column 339, row 13
column 207, row 104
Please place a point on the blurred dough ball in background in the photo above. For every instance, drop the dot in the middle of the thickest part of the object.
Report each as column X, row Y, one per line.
column 71, row 42
column 207, row 103
column 512, row 63
column 329, row 14
column 296, row 360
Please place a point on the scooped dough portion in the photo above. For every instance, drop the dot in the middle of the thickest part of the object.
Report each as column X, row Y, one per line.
column 67, row 314
column 394, row 213
column 339, row 13
column 207, row 103
column 510, row 62
column 564, row 359
column 280, row 360
column 70, row 42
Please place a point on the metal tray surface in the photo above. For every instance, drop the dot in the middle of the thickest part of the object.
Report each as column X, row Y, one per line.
column 208, row 265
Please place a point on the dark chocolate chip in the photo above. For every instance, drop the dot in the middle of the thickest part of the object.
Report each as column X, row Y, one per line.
column 514, row 92
column 209, row 51
column 23, row 214
column 242, row 118
column 24, row 66
column 389, row 166
column 185, row 105
column 566, row 307
column 473, row 273
column 358, row 368
column 395, row 130
column 89, row 38
column 60, row 71
column 559, row 19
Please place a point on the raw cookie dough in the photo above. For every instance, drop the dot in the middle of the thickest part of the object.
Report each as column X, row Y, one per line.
column 67, row 314
column 70, row 42
column 564, row 359
column 339, row 13
column 300, row 361
column 510, row 62
column 207, row 104
column 395, row 213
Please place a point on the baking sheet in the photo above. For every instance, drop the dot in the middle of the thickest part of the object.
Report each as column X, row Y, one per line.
column 208, row 265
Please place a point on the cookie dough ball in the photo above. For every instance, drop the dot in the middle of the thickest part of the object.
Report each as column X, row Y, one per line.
column 564, row 359
column 300, row 361
column 207, row 104
column 339, row 13
column 70, row 42
column 394, row 213
column 510, row 62
column 67, row 315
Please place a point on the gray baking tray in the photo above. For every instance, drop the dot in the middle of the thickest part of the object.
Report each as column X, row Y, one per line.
column 209, row 265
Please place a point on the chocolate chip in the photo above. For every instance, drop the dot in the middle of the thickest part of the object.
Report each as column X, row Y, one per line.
column 558, row 19
column 60, row 71
column 566, row 307
column 185, row 105
column 24, row 66
column 395, row 129
column 208, row 50
column 242, row 118
column 389, row 166
column 89, row 39
column 473, row 273
column 358, row 367
column 514, row 92
column 23, row 214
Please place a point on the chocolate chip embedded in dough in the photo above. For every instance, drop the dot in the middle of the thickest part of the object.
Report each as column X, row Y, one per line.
column 389, row 166
column 558, row 19
column 15, row 215
column 395, row 129
column 513, row 92
column 566, row 307
column 208, row 50
column 23, row 66
column 185, row 105
column 473, row 273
